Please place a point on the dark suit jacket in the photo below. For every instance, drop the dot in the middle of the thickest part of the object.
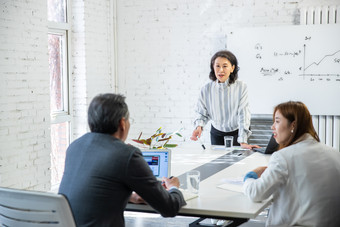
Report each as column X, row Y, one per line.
column 100, row 174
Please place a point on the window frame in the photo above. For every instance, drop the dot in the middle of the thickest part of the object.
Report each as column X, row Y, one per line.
column 65, row 78
column 65, row 115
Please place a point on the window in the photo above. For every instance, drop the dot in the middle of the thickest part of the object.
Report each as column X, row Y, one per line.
column 58, row 46
column 57, row 11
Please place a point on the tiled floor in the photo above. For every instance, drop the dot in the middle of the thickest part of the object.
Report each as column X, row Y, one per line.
column 135, row 219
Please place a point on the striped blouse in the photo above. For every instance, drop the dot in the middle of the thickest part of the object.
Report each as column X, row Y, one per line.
column 226, row 106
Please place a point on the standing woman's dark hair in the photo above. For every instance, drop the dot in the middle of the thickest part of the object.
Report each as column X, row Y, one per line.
column 298, row 112
column 105, row 112
column 233, row 60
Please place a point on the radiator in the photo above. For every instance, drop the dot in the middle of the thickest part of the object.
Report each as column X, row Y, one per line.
column 320, row 15
column 327, row 127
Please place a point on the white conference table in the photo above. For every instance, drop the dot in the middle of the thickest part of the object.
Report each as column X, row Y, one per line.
column 217, row 166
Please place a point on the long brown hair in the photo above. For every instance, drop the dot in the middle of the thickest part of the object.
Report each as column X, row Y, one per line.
column 298, row 112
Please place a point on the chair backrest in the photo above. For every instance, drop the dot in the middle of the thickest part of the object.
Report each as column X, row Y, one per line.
column 261, row 129
column 31, row 208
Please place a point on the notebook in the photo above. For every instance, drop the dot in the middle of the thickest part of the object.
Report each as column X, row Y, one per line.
column 159, row 161
column 188, row 195
column 271, row 147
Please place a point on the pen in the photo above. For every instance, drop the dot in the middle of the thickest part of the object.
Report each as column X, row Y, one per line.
column 199, row 139
column 163, row 182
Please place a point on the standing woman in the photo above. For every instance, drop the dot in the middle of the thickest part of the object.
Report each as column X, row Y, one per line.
column 224, row 101
column 302, row 176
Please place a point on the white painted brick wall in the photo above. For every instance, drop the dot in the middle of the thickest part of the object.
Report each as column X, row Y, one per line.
column 24, row 103
column 92, row 70
column 78, row 63
column 98, row 55
column 24, row 98
column 164, row 50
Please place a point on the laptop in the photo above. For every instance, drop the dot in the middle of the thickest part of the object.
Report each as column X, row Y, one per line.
column 159, row 161
column 271, row 147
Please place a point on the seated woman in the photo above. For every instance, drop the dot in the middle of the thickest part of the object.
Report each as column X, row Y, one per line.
column 303, row 176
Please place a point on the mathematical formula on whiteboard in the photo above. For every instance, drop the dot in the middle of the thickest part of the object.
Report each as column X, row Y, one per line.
column 300, row 63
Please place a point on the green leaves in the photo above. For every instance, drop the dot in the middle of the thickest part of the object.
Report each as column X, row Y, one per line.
column 170, row 145
column 158, row 140
column 178, row 134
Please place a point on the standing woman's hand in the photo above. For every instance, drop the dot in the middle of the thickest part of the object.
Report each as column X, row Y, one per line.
column 249, row 146
column 196, row 133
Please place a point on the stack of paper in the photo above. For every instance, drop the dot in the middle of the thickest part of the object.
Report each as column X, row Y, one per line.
column 188, row 195
column 232, row 184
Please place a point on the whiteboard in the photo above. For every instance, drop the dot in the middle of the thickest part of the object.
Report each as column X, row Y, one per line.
column 299, row 63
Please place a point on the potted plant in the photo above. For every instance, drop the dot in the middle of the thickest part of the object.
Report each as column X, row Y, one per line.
column 159, row 140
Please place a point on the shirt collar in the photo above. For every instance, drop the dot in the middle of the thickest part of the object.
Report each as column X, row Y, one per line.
column 305, row 136
column 222, row 85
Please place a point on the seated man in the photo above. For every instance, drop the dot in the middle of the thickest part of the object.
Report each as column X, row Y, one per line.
column 101, row 171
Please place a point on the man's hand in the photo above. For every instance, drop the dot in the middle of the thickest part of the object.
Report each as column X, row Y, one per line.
column 135, row 198
column 170, row 182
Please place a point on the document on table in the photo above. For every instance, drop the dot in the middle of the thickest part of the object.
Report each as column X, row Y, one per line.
column 188, row 195
column 232, row 184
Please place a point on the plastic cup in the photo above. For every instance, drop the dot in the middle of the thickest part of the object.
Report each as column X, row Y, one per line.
column 228, row 142
column 193, row 181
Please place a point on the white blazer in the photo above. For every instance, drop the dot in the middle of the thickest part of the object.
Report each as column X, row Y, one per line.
column 304, row 180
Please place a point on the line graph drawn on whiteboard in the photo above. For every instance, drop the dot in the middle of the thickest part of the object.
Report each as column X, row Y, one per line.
column 331, row 60
column 300, row 62
column 285, row 62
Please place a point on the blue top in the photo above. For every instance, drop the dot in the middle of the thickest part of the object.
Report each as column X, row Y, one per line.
column 250, row 174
